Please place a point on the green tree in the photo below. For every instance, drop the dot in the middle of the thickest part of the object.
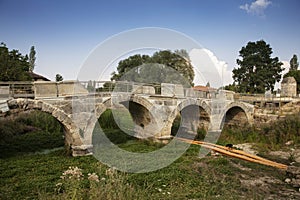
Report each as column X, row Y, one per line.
column 296, row 75
column 128, row 64
column 231, row 87
column 32, row 59
column 207, row 84
column 179, row 61
column 13, row 65
column 58, row 78
column 294, row 64
column 258, row 72
column 158, row 67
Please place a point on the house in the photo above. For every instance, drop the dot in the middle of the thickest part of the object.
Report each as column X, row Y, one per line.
column 37, row 77
column 204, row 91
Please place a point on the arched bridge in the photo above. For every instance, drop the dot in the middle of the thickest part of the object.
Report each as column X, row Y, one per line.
column 152, row 114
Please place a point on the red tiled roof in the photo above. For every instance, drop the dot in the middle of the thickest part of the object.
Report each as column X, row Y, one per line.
column 203, row 88
column 37, row 76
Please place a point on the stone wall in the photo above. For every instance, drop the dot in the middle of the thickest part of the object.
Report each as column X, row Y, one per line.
column 45, row 89
column 49, row 89
column 4, row 92
column 143, row 89
column 289, row 87
column 172, row 90
column 69, row 88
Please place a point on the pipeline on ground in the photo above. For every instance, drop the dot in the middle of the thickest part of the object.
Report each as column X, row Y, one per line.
column 235, row 153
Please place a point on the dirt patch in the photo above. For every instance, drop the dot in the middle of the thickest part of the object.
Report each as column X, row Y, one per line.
column 292, row 155
column 247, row 147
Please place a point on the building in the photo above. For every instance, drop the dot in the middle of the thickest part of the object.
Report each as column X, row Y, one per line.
column 288, row 87
column 37, row 77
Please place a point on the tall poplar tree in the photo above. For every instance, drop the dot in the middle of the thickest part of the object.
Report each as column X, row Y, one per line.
column 294, row 64
column 32, row 59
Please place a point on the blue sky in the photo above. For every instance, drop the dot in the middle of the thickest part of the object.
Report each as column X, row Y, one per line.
column 64, row 32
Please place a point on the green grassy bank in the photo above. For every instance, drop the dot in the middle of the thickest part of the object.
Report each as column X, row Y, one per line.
column 26, row 174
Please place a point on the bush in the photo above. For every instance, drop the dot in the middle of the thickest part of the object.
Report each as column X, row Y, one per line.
column 273, row 135
column 30, row 132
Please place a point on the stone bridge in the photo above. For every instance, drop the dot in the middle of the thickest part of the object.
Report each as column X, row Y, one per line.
column 152, row 114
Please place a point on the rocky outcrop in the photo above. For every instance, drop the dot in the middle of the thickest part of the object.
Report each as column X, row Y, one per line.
column 293, row 176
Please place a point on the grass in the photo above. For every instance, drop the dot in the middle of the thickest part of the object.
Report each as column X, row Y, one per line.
column 267, row 137
column 25, row 175
column 29, row 132
column 35, row 176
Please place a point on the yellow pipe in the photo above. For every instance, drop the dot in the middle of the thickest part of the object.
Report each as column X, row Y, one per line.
column 236, row 153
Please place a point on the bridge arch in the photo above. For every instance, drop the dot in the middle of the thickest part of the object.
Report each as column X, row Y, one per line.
column 194, row 114
column 71, row 138
column 188, row 102
column 238, row 113
column 141, row 111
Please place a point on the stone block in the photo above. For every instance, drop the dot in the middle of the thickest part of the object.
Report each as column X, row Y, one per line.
column 71, row 88
column 45, row 89
column 4, row 106
column 172, row 90
column 144, row 89
column 4, row 92
column 289, row 87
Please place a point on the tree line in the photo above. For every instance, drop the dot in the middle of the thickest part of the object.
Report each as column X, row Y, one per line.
column 258, row 71
column 17, row 67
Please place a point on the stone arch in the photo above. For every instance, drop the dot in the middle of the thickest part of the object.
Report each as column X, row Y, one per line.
column 201, row 103
column 142, row 101
column 200, row 119
column 72, row 137
column 140, row 110
column 107, row 103
column 238, row 113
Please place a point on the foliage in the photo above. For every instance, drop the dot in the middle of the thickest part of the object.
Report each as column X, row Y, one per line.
column 107, row 87
column 158, row 67
column 112, row 185
column 201, row 132
column 187, row 178
column 30, row 132
column 129, row 64
column 296, row 75
column 176, row 61
column 258, row 72
column 58, row 78
column 232, row 87
column 32, row 59
column 270, row 136
column 107, row 122
column 13, row 65
column 294, row 64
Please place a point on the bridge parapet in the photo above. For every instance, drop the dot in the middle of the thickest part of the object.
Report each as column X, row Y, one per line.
column 49, row 89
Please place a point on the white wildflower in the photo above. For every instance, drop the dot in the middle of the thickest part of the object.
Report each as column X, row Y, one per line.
column 72, row 172
column 93, row 177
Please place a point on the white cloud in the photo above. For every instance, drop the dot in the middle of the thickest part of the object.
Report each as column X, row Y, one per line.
column 208, row 68
column 256, row 7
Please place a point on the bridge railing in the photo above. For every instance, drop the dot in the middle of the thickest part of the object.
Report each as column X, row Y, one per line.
column 158, row 89
column 261, row 97
column 16, row 89
column 49, row 89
